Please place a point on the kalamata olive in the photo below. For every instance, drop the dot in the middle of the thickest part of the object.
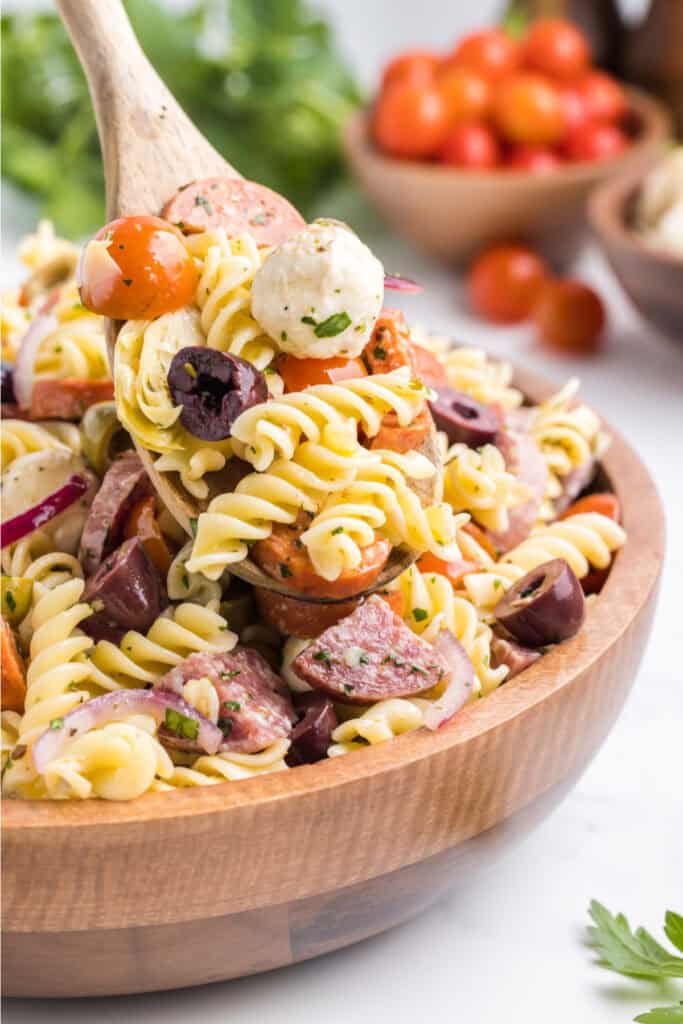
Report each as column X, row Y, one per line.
column 312, row 736
column 213, row 388
column 464, row 420
column 125, row 593
column 7, row 384
column 544, row 607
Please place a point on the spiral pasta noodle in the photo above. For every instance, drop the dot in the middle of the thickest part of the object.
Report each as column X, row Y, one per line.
column 381, row 722
column 182, row 585
column 568, row 434
column 21, row 437
column 209, row 769
column 77, row 347
column 472, row 371
column 585, row 541
column 476, row 481
column 44, row 246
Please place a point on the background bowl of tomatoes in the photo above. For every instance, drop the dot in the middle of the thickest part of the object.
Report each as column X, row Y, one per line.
column 502, row 137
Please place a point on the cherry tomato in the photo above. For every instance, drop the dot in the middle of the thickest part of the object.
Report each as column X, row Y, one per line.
column 603, row 97
column 528, row 109
column 505, row 281
column 466, row 94
column 535, row 159
column 570, row 317
column 142, row 523
column 415, row 66
column 478, row 535
column 410, row 121
column 596, row 141
column 573, row 105
column 137, row 268
column 557, row 48
column 492, row 52
column 453, row 571
column 472, row 145
column 606, row 504
column 298, row 374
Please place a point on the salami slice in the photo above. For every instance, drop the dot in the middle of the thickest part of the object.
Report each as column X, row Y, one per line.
column 124, row 484
column 236, row 205
column 370, row 655
column 505, row 651
column 255, row 708
column 524, row 458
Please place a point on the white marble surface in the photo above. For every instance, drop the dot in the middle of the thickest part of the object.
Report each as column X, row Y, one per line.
column 511, row 948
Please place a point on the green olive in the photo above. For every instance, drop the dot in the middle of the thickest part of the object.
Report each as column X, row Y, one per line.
column 16, row 598
column 102, row 436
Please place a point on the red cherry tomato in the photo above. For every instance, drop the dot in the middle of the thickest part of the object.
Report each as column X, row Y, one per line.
column 415, row 66
column 596, row 141
column 453, row 571
column 472, row 145
column 527, row 109
column 505, row 281
column 298, row 374
column 535, row 159
column 491, row 52
column 466, row 94
column 410, row 121
column 603, row 97
column 142, row 271
column 570, row 317
column 557, row 48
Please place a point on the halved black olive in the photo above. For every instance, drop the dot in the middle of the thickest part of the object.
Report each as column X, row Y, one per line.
column 126, row 593
column 464, row 420
column 7, row 384
column 313, row 734
column 545, row 607
column 213, row 388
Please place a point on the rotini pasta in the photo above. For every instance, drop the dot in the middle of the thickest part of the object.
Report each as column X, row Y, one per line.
column 476, row 481
column 584, row 541
column 77, row 347
column 568, row 434
column 208, row 770
column 21, row 437
column 14, row 321
column 381, row 722
column 470, row 370
column 182, row 585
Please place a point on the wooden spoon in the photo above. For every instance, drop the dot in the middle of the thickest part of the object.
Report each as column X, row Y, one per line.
column 150, row 148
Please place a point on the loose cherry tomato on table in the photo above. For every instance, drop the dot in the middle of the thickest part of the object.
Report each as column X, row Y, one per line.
column 418, row 67
column 137, row 268
column 570, row 317
column 453, row 571
column 410, row 120
column 505, row 281
column 527, row 109
column 606, row 504
column 298, row 374
column 471, row 145
column 492, row 52
column 466, row 94
column 142, row 523
column 557, row 48
column 603, row 97
column 535, row 159
column 596, row 141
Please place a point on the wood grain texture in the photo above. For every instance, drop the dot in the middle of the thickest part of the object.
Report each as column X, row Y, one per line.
column 294, row 857
column 451, row 213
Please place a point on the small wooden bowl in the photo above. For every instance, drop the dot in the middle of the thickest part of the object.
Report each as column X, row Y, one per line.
column 652, row 278
column 451, row 213
column 201, row 885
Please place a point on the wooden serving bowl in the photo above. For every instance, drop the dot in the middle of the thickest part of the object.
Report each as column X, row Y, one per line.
column 451, row 213
column 200, row 885
column 652, row 278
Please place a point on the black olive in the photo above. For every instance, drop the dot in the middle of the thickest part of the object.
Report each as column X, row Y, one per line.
column 125, row 593
column 545, row 606
column 7, row 384
column 313, row 734
column 213, row 388
column 464, row 420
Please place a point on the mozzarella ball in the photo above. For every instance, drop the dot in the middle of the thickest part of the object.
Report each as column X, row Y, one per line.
column 319, row 294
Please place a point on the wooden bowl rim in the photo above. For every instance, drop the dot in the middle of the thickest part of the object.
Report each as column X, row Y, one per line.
column 633, row 577
column 656, row 126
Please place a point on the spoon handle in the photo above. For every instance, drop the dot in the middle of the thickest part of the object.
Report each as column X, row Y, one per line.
column 149, row 145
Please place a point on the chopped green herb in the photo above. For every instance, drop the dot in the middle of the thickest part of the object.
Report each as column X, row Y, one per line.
column 420, row 614
column 193, row 525
column 418, row 670
column 225, row 725
column 128, row 281
column 333, row 326
column 379, row 352
column 285, row 571
column 308, row 320
column 337, row 529
column 363, row 658
column 186, row 581
column 232, row 705
column 283, row 335
column 56, row 723
column 348, row 688
column 202, row 201
column 181, row 725
column 323, row 656
column 231, row 674
column 9, row 600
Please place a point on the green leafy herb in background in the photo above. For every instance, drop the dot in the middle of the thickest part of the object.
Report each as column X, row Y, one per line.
column 260, row 78
column 637, row 954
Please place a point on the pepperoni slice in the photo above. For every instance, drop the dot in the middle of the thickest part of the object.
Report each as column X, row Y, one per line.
column 293, row 617
column 236, row 205
column 68, row 398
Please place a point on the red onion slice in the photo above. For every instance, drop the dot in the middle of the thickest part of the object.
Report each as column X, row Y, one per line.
column 26, row 522
column 119, row 704
column 397, row 283
column 460, row 685
column 43, row 325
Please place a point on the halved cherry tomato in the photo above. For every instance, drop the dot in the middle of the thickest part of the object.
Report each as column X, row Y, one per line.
column 135, row 268
column 596, row 140
column 410, row 120
column 491, row 52
column 416, row 66
column 527, row 108
column 557, row 48
column 395, row 600
column 467, row 95
column 478, row 535
column 603, row 96
column 11, row 670
column 389, row 347
column 454, row 571
column 569, row 317
column 505, row 281
column 298, row 374
column 142, row 523
column 605, row 504
column 471, row 145
column 535, row 159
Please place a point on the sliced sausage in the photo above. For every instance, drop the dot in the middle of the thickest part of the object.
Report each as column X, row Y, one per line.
column 255, row 708
column 67, row 399
column 126, row 593
column 293, row 617
column 12, row 670
column 505, row 651
column 123, row 485
column 237, row 206
column 395, row 438
column 312, row 735
column 370, row 655
column 389, row 347
column 427, row 367
column 524, row 458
